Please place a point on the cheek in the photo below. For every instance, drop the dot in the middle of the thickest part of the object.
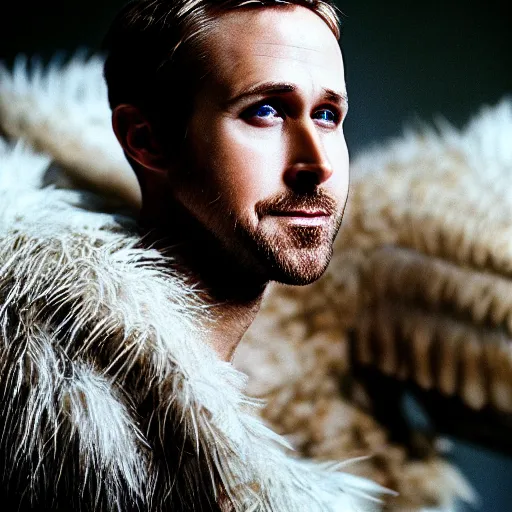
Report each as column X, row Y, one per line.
column 339, row 158
column 248, row 162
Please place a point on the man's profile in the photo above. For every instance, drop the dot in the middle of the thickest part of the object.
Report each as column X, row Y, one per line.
column 118, row 390
column 246, row 168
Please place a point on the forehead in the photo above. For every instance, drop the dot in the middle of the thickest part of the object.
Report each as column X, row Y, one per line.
column 274, row 43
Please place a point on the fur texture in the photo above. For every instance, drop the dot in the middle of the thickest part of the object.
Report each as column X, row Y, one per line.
column 419, row 288
column 63, row 110
column 298, row 351
column 109, row 401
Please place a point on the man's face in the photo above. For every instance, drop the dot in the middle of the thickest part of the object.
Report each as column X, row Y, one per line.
column 265, row 161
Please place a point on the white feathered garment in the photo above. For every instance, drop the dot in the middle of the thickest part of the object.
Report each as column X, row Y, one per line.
column 419, row 289
column 427, row 225
column 109, row 401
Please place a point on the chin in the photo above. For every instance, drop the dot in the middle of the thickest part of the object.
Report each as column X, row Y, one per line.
column 295, row 255
column 301, row 267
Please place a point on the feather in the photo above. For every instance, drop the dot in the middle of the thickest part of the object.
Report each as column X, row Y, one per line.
column 62, row 110
column 94, row 326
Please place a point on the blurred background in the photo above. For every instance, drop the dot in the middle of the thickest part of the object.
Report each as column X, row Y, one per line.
column 406, row 62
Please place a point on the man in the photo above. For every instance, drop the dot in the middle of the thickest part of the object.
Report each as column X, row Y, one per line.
column 248, row 165
column 117, row 391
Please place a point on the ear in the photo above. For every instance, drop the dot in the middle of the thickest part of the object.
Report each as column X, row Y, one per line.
column 136, row 135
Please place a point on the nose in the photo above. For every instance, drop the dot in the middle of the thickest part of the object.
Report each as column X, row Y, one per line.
column 309, row 166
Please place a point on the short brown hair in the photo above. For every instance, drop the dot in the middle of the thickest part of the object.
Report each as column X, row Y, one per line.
column 154, row 50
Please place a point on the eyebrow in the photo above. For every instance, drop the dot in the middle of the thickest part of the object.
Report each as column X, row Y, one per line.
column 284, row 88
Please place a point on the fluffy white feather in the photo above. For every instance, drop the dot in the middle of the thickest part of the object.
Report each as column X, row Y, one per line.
column 93, row 326
column 62, row 109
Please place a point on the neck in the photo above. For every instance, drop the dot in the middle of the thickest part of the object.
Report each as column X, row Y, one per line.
column 231, row 321
column 232, row 293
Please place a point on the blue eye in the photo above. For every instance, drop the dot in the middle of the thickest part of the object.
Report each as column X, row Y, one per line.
column 264, row 111
column 263, row 114
column 326, row 115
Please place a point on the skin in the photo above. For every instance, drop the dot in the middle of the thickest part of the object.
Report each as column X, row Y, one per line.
column 258, row 191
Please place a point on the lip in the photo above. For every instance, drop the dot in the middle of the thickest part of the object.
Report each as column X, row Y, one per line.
column 303, row 217
column 307, row 214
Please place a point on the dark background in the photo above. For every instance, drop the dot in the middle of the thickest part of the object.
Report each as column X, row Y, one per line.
column 406, row 61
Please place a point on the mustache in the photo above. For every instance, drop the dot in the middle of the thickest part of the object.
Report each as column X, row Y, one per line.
column 290, row 201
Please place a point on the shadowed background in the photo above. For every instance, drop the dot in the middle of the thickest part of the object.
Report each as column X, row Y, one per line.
column 405, row 62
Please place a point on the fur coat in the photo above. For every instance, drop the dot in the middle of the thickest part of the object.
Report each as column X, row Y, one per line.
column 416, row 289
column 109, row 401
column 419, row 293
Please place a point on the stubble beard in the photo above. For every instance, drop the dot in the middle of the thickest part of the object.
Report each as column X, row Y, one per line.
column 272, row 249
column 291, row 253
column 301, row 256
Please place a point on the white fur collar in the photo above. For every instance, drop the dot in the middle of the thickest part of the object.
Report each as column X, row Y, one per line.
column 92, row 327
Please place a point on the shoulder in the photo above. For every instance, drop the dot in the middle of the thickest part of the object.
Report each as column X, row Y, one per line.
column 77, row 294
